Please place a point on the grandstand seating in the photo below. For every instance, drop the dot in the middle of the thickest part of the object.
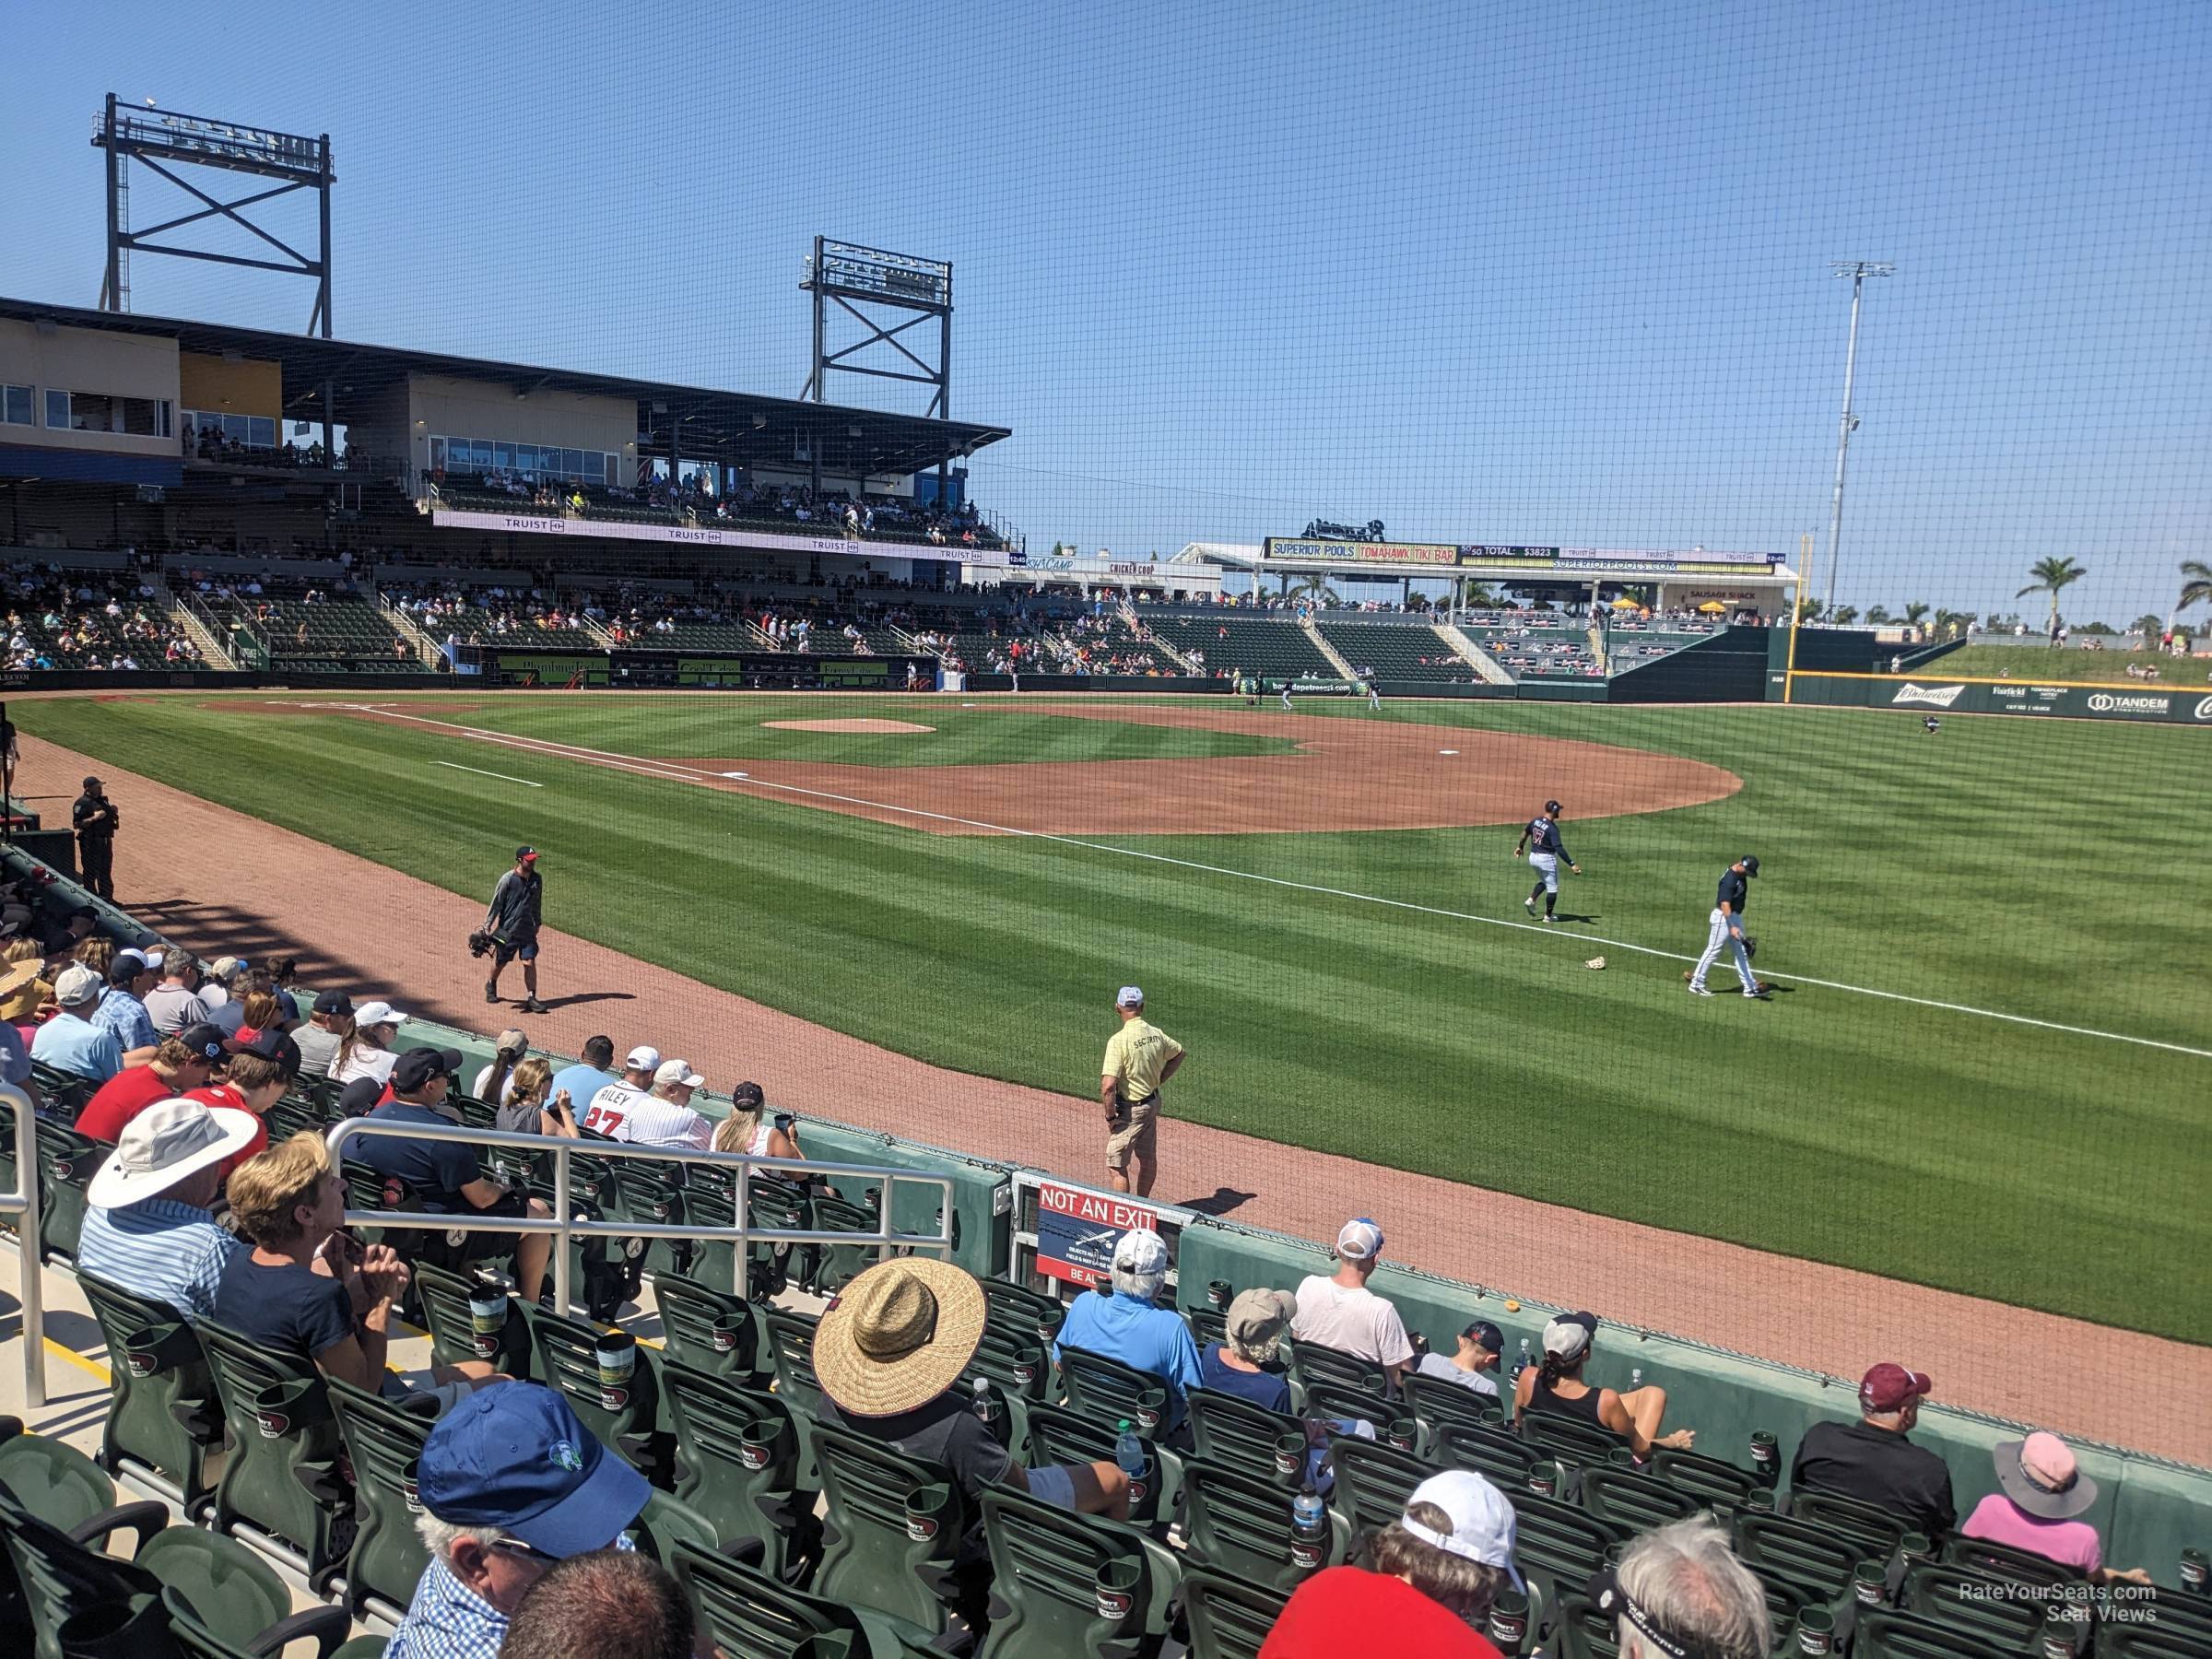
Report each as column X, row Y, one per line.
column 1275, row 649
column 725, row 1419
column 1396, row 652
column 297, row 632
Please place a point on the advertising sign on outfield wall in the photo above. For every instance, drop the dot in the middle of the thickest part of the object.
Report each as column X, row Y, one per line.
column 2177, row 705
column 1360, row 552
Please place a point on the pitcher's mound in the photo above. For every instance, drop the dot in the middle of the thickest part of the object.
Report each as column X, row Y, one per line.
column 846, row 725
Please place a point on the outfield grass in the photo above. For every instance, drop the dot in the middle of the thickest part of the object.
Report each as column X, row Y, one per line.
column 2039, row 662
column 2053, row 871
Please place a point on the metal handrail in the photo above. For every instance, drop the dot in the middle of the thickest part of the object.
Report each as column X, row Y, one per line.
column 23, row 1203
column 564, row 1226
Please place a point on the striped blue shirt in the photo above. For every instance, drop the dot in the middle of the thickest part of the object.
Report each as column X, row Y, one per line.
column 446, row 1619
column 125, row 1016
column 159, row 1248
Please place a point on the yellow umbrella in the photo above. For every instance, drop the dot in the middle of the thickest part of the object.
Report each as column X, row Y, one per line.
column 1713, row 606
column 1626, row 605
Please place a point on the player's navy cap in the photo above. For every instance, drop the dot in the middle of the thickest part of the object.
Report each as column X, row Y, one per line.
column 1486, row 1336
column 515, row 1457
column 1750, row 863
column 1552, row 805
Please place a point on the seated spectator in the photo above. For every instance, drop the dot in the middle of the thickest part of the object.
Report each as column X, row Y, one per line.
column 1679, row 1590
column 24, row 988
column 526, row 1110
column 1557, row 1385
column 610, row 1604
column 2043, row 1495
column 664, row 1115
column 260, row 1015
column 253, row 1080
column 610, row 1104
column 328, row 1025
column 218, row 989
column 147, row 1227
column 130, row 977
column 181, row 1063
column 510, row 1483
column 1340, row 1312
column 1427, row 1586
column 175, row 1003
column 1248, row 1364
column 227, row 1011
column 1126, row 1325
column 1874, row 1461
column 367, row 1051
column 1470, row 1365
column 888, row 1352
column 70, row 1041
column 445, row 1178
column 491, row 1077
column 749, row 1128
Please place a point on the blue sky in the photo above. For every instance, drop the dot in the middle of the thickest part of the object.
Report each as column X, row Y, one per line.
column 1517, row 273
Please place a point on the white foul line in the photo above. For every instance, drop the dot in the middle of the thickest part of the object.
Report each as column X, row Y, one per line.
column 482, row 773
column 694, row 775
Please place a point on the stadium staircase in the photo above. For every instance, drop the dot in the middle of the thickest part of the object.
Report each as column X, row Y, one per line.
column 1143, row 635
column 1321, row 643
column 214, row 643
column 1484, row 665
column 404, row 625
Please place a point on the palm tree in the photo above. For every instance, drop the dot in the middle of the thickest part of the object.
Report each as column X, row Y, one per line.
column 1843, row 615
column 1914, row 612
column 2051, row 575
column 2149, row 626
column 2196, row 584
column 1877, row 615
column 1314, row 587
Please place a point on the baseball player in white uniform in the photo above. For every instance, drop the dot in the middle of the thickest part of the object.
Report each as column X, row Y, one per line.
column 1541, row 837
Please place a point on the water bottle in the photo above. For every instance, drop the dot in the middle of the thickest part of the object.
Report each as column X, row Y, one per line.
column 1636, row 1376
column 986, row 1403
column 1129, row 1455
column 1520, row 1364
column 1309, row 1530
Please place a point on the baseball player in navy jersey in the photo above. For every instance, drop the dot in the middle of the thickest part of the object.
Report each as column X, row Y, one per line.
column 1541, row 839
column 1728, row 929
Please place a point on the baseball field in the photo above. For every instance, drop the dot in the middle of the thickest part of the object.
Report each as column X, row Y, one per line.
column 1983, row 1068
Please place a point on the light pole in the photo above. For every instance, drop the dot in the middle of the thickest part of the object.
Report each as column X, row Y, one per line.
column 1858, row 270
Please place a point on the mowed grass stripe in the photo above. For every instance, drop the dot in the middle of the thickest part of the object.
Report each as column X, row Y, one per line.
column 1906, row 1141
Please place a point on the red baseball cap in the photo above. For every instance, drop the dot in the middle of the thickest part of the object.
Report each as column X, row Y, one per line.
column 1887, row 1387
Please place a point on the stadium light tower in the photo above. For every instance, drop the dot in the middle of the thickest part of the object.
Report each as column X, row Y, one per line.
column 1858, row 270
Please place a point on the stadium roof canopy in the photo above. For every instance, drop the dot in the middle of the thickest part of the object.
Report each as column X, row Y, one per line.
column 732, row 427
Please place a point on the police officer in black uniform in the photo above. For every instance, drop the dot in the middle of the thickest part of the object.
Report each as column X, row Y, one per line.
column 94, row 817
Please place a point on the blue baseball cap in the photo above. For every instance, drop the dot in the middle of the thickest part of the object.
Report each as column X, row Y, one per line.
column 514, row 1456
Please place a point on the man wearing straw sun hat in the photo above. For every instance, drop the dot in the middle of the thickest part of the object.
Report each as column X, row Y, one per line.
column 889, row 1351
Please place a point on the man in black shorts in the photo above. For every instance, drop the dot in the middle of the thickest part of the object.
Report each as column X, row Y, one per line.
column 94, row 818
column 443, row 1178
column 511, row 923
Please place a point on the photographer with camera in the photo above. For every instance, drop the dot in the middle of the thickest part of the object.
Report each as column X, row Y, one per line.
column 510, row 926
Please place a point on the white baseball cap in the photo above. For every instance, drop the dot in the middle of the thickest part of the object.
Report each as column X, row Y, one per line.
column 162, row 1145
column 1570, row 1334
column 1141, row 1251
column 378, row 1013
column 76, row 985
column 676, row 1071
column 1360, row 1238
column 1129, row 997
column 1482, row 1520
column 643, row 1058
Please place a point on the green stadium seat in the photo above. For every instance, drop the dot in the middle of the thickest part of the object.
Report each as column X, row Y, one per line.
column 1239, row 1526
column 1436, row 1402
column 2003, row 1561
column 293, row 1115
column 1710, row 1478
column 384, row 1442
column 1228, row 1429
column 1109, row 1391
column 1229, row 1618
column 2163, row 1624
column 1502, row 1457
column 1569, row 1439
column 624, row 1416
column 1059, row 1435
column 707, row 1330
column 1578, row 1630
column 1633, row 1499
column 1374, row 1481
column 443, row 1294
column 1022, row 1313
column 1063, row 1583
column 163, row 1416
column 67, row 1490
column 1312, row 1362
column 893, row 1529
column 751, row 1615
column 598, row 1267
column 831, row 1265
column 67, row 1161
column 1338, row 1402
column 1209, row 1326
column 1801, row 1554
column 1877, row 1531
column 1989, row 1609
column 739, row 1454
column 285, row 1473
column 666, row 1524
column 791, row 1347
column 1559, row 1548
column 1886, row 1633
column 652, row 1191
column 64, row 1092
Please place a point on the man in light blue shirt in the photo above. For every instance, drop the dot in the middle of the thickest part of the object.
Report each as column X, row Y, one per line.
column 70, row 1041
column 148, row 1230
column 1126, row 1327
column 587, row 1077
column 121, row 1014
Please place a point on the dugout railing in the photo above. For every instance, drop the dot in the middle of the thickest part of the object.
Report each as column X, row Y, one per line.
column 564, row 1227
